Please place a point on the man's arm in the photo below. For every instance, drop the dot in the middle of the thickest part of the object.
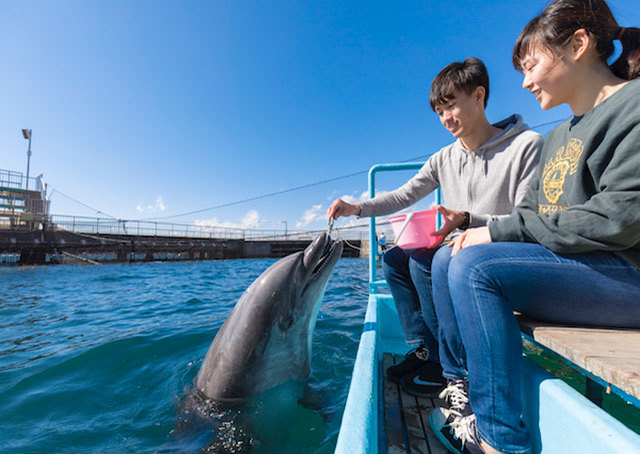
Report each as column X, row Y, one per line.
column 418, row 187
column 422, row 184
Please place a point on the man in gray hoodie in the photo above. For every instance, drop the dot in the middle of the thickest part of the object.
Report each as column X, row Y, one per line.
column 482, row 176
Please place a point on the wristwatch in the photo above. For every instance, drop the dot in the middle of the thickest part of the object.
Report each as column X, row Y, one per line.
column 465, row 223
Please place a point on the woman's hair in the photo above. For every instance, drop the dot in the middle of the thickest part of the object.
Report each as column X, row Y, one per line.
column 555, row 27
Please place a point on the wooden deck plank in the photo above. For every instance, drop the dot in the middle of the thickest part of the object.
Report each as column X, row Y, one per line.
column 421, row 437
column 415, row 427
column 611, row 354
column 393, row 419
column 436, row 446
column 407, row 418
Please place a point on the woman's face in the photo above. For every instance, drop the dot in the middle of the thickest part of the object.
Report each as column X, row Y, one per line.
column 547, row 76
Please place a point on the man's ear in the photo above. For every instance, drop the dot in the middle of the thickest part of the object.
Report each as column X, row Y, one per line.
column 580, row 42
column 478, row 95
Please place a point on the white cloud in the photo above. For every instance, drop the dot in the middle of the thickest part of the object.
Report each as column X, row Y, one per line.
column 315, row 213
column 333, row 195
column 349, row 199
column 352, row 222
column 251, row 220
column 158, row 206
column 357, row 198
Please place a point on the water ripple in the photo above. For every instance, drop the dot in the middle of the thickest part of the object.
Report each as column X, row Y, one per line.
column 97, row 359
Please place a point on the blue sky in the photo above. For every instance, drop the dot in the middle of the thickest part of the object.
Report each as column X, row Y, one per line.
column 150, row 109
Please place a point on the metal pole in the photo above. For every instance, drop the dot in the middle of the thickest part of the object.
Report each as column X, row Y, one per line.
column 26, row 133
column 285, row 228
column 28, row 159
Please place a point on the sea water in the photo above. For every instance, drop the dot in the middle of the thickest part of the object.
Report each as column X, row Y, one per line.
column 102, row 359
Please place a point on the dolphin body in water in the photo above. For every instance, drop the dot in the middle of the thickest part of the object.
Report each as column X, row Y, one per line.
column 266, row 340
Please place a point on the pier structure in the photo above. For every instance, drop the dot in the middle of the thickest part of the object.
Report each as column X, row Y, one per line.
column 64, row 239
column 29, row 234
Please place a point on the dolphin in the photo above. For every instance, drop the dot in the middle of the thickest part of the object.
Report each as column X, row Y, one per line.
column 266, row 340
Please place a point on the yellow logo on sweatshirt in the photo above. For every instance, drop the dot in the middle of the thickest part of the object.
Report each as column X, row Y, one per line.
column 555, row 170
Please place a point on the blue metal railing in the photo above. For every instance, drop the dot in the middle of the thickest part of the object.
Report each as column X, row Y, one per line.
column 374, row 284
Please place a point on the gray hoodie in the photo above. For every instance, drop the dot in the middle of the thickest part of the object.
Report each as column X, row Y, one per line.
column 487, row 183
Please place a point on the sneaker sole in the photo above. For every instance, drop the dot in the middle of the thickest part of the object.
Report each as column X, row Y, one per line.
column 439, row 435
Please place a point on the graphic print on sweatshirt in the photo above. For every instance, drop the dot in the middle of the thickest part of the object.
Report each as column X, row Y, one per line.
column 555, row 172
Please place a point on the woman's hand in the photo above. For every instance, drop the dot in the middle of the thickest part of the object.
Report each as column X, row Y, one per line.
column 452, row 220
column 341, row 208
column 470, row 237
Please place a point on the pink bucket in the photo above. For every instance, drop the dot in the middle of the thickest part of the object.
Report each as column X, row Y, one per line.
column 413, row 230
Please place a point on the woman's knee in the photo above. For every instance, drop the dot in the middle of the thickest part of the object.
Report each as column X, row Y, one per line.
column 471, row 263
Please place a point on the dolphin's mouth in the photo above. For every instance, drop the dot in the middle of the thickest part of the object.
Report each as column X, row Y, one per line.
column 329, row 251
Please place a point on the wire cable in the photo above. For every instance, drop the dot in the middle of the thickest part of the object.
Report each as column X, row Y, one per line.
column 271, row 194
column 80, row 203
column 250, row 199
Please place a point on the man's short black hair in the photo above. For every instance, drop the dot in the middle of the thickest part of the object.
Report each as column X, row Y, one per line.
column 464, row 76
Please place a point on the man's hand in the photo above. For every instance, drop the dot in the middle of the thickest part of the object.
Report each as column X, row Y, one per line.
column 452, row 220
column 470, row 237
column 341, row 208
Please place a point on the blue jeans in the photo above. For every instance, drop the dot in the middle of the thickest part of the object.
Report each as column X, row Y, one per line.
column 408, row 275
column 484, row 284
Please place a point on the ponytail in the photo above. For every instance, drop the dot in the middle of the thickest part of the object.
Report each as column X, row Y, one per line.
column 627, row 66
column 555, row 27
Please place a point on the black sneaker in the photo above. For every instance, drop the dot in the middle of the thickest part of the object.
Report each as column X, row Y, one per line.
column 412, row 361
column 456, row 426
column 425, row 381
column 459, row 434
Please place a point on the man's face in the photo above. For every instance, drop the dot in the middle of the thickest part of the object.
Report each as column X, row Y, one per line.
column 460, row 114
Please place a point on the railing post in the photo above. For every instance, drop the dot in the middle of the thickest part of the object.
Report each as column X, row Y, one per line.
column 373, row 242
column 372, row 227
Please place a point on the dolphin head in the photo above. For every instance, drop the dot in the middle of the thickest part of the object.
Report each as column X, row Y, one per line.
column 318, row 261
column 266, row 340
